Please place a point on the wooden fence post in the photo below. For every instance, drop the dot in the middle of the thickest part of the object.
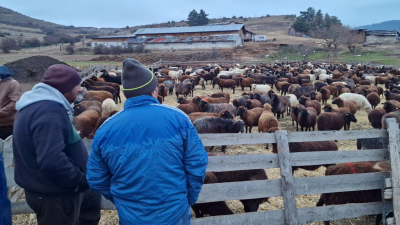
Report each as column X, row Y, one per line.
column 393, row 130
column 286, row 177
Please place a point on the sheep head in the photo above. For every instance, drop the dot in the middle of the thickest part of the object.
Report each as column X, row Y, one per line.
column 235, row 102
column 337, row 101
column 226, row 114
column 350, row 117
column 328, row 108
column 241, row 111
column 180, row 98
column 203, row 103
column 248, row 103
column 303, row 100
column 239, row 126
column 267, row 107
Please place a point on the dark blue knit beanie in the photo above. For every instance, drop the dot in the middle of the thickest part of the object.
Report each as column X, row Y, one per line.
column 5, row 72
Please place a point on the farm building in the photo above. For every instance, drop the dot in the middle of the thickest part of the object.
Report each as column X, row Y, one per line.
column 179, row 32
column 187, row 43
column 109, row 41
column 381, row 36
column 249, row 36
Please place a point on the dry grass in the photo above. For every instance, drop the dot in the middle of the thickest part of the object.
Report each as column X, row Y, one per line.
column 111, row 217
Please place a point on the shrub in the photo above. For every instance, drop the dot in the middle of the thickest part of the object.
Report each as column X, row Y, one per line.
column 31, row 43
column 116, row 50
column 98, row 49
column 70, row 49
column 89, row 43
column 8, row 44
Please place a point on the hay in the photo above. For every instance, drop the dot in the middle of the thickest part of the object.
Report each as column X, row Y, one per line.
column 275, row 203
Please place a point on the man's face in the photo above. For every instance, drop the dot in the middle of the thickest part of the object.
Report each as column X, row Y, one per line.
column 71, row 96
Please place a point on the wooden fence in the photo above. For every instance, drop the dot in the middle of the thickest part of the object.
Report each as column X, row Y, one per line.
column 287, row 186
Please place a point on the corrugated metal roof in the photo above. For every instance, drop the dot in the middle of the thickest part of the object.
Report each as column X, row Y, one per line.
column 122, row 36
column 381, row 32
column 174, row 30
column 148, row 40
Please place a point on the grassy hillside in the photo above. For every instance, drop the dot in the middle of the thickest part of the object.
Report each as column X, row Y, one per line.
column 387, row 25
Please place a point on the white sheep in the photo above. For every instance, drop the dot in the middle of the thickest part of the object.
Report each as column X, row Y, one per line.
column 320, row 71
column 107, row 106
column 292, row 100
column 260, row 88
column 371, row 78
column 312, row 77
column 324, row 77
column 175, row 74
column 361, row 101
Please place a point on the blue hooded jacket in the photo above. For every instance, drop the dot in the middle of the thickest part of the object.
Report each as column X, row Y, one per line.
column 149, row 160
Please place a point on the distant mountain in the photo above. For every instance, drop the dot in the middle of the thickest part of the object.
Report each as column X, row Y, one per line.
column 387, row 25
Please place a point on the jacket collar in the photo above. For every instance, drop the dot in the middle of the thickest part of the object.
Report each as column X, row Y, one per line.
column 140, row 101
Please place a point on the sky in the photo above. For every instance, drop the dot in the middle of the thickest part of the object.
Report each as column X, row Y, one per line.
column 122, row 13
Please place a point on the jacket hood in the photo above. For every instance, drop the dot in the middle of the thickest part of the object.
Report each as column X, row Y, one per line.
column 43, row 92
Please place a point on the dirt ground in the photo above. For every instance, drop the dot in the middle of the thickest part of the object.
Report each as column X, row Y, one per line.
column 111, row 217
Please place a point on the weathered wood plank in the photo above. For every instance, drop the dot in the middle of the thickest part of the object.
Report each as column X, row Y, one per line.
column 10, row 177
column 242, row 162
column 7, row 150
column 388, row 194
column 388, row 182
column 302, row 186
column 306, row 215
column 236, row 139
column 393, row 130
column 334, row 135
column 287, row 187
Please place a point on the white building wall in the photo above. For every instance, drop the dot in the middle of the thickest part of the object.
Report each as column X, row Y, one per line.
column 122, row 44
column 191, row 46
column 380, row 39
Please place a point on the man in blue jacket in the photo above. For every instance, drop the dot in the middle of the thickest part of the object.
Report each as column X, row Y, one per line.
column 148, row 158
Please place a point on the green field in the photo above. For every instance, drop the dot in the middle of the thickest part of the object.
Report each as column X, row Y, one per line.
column 87, row 64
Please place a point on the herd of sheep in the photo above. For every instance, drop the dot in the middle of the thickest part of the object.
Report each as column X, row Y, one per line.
column 269, row 92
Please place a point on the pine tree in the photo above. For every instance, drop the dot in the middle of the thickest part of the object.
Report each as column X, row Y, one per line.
column 202, row 18
column 193, row 18
column 301, row 25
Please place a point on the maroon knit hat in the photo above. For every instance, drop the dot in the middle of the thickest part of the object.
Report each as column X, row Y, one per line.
column 61, row 77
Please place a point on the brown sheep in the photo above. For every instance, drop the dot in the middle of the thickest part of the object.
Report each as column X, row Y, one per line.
column 86, row 122
column 225, row 83
column 84, row 105
column 267, row 120
column 310, row 103
column 162, row 90
column 100, row 122
column 292, row 88
column 332, row 90
column 350, row 104
column 252, row 103
column 316, row 96
column 250, row 117
column 342, row 89
column 187, row 106
column 325, row 95
column 101, row 95
column 183, row 89
column 294, row 113
column 394, row 114
column 223, row 114
column 245, row 82
column 328, row 108
column 224, row 99
column 373, row 99
column 363, row 196
column 99, row 83
column 335, row 121
column 375, row 117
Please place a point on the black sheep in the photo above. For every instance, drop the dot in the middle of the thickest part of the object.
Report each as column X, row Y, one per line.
column 111, row 79
column 304, row 91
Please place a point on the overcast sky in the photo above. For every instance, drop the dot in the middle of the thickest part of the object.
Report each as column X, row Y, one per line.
column 120, row 13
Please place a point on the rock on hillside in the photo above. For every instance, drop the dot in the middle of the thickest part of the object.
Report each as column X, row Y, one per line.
column 32, row 68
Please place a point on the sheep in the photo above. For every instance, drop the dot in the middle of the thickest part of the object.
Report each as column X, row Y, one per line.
column 374, row 99
column 245, row 82
column 101, row 121
column 335, row 121
column 218, row 125
column 391, row 96
column 375, row 117
column 211, row 208
column 372, row 143
column 267, row 120
column 318, row 85
column 107, row 106
column 307, row 118
column 278, row 85
column 261, row 88
column 175, row 75
column 350, row 104
column 99, row 83
column 310, row 103
column 101, row 88
column 250, row 205
column 84, row 105
column 285, row 88
column 262, row 98
column 292, row 100
column 391, row 105
column 197, row 115
column 252, row 103
column 339, row 198
column 99, row 95
column 249, row 116
column 313, row 146
column 160, row 99
column 328, row 108
column 187, row 106
column 279, row 105
column 360, row 100
column 85, row 122
column 111, row 79
column 394, row 114
column 316, row 96
column 229, row 83
column 240, row 101
column 332, row 89
column 304, row 91
column 169, row 84
column 342, row 89
column 204, row 106
column 162, row 90
column 324, row 77
column 202, row 82
column 183, row 89
column 325, row 95
column 294, row 114
column 292, row 88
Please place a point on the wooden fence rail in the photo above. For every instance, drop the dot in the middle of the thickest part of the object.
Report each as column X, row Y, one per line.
column 287, row 186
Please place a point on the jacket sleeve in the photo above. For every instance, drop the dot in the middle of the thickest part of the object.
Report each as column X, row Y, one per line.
column 98, row 173
column 195, row 163
column 49, row 133
column 13, row 96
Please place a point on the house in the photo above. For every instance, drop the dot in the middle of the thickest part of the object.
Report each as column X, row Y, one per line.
column 381, row 36
column 200, row 31
column 187, row 43
column 249, row 36
column 109, row 41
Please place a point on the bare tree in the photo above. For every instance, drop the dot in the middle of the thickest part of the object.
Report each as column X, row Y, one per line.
column 331, row 35
column 8, row 44
column 350, row 38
